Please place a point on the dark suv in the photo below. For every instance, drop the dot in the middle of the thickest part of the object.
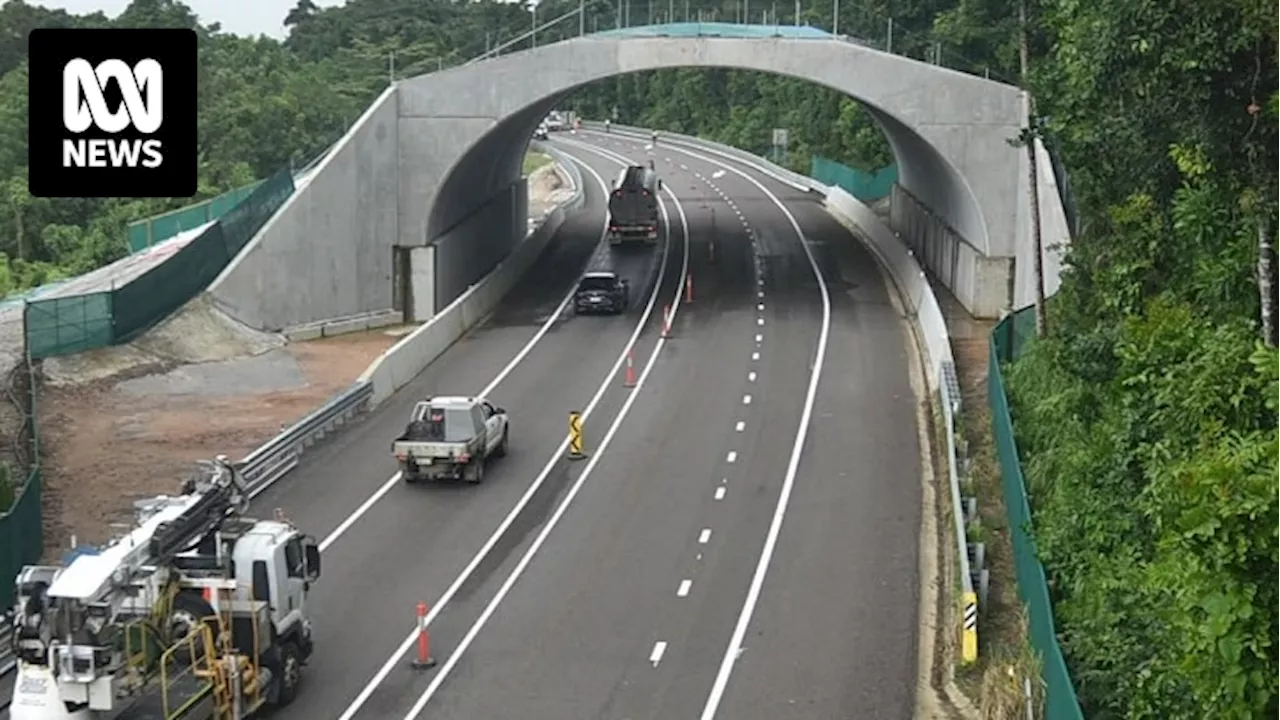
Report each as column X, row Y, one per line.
column 601, row 292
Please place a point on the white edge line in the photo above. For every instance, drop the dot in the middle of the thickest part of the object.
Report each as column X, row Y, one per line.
column 515, row 361
column 484, row 551
column 551, row 522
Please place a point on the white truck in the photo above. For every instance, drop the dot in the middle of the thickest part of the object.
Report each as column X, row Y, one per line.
column 451, row 437
column 197, row 613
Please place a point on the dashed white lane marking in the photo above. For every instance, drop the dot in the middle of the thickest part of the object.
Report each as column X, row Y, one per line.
column 760, row 306
column 755, row 356
column 720, row 493
column 740, row 426
column 759, row 321
column 731, row 457
column 704, row 536
column 683, row 590
column 659, row 648
column 682, row 165
column 717, row 174
column 746, row 399
column 760, row 294
column 759, row 338
column 751, row 376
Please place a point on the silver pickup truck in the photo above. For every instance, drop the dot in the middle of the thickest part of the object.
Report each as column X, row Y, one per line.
column 451, row 438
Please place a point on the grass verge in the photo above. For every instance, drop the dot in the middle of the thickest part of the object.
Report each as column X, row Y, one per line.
column 535, row 160
column 997, row 682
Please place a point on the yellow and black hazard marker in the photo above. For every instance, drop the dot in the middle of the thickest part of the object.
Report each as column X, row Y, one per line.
column 576, row 451
column 969, row 630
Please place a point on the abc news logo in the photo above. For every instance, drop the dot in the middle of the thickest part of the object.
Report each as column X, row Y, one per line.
column 113, row 113
column 84, row 106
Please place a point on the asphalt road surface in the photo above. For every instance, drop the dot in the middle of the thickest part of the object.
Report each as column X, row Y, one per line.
column 630, row 604
column 412, row 543
column 624, row 602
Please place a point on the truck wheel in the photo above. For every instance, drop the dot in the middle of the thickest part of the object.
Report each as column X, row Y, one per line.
column 501, row 450
column 290, row 670
column 475, row 471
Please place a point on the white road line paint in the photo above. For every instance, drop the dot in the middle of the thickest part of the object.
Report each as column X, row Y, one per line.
column 720, row 493
column 717, row 174
column 759, row 338
column 683, row 590
column 682, row 165
column 751, row 376
column 755, row 356
column 760, row 306
column 659, row 648
column 489, row 544
column 507, row 369
column 554, row 520
column 732, row 457
column 760, row 294
column 735, row 646
column 740, row 426
column 704, row 536
column 760, row 321
column 746, row 399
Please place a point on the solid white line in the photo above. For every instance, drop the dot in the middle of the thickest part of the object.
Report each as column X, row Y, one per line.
column 732, row 457
column 489, row 544
column 659, row 648
column 732, row 652
column 720, row 493
column 704, row 536
column 746, row 399
column 507, row 369
column 554, row 520
column 740, row 426
column 683, row 590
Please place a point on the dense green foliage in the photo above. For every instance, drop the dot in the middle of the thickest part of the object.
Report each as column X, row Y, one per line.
column 1148, row 417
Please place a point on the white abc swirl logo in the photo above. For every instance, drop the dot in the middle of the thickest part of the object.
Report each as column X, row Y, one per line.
column 84, row 107
column 83, row 104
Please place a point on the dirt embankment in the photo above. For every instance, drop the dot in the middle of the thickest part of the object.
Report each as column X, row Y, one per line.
column 129, row 422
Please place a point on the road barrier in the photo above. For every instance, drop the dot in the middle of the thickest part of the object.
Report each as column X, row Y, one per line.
column 400, row 364
column 911, row 283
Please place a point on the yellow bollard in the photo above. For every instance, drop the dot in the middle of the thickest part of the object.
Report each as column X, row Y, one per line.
column 575, row 436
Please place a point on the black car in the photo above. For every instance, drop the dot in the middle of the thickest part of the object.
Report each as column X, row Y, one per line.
column 601, row 292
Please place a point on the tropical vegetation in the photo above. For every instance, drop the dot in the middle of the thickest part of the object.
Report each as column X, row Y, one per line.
column 1147, row 411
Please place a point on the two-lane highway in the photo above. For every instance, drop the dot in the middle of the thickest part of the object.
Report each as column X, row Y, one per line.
column 389, row 545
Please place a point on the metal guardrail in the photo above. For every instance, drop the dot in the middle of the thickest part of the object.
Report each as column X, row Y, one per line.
column 974, row 575
column 281, row 454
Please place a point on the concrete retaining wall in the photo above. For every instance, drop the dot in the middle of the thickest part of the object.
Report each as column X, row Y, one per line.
column 400, row 364
column 468, row 251
column 327, row 253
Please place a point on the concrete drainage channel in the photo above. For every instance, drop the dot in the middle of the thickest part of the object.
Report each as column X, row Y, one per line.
column 388, row 373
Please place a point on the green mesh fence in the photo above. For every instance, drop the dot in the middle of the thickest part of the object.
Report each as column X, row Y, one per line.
column 867, row 187
column 243, row 222
column 66, row 325
column 21, row 526
column 1008, row 338
column 145, row 233
column 157, row 293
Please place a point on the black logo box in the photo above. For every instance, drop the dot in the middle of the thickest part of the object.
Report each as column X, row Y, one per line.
column 175, row 49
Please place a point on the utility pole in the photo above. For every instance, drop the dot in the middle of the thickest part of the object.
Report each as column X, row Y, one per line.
column 1033, row 188
column 533, row 24
column 888, row 46
column 391, row 68
column 835, row 19
column 582, row 18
